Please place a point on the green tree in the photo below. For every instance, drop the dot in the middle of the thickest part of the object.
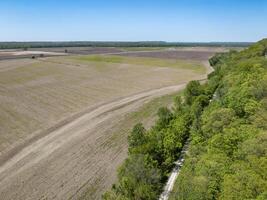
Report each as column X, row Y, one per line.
column 137, row 136
column 164, row 117
column 192, row 90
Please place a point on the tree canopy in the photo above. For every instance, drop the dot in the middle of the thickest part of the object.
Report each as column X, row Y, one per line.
column 227, row 158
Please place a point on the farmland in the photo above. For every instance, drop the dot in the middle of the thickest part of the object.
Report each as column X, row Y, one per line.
column 64, row 119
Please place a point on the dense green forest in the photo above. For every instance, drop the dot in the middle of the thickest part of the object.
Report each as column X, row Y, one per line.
column 228, row 152
column 17, row 45
column 225, row 121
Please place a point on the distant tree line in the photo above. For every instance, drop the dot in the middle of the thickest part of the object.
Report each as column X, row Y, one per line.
column 25, row 45
column 225, row 121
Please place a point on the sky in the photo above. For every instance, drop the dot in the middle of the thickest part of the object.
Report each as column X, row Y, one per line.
column 135, row 20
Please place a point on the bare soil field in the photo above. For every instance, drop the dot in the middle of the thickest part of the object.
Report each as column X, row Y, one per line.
column 187, row 53
column 81, row 50
column 20, row 54
column 79, row 157
column 62, row 122
column 36, row 94
column 174, row 54
column 50, row 52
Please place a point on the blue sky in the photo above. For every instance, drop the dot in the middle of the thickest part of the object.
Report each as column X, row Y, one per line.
column 136, row 20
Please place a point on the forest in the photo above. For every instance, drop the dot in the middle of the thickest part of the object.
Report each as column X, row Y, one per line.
column 225, row 122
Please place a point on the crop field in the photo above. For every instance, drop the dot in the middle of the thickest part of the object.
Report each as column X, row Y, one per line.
column 185, row 55
column 82, row 50
column 72, row 109
column 39, row 94
column 147, row 61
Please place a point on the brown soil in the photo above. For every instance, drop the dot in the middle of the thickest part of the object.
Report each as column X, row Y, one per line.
column 174, row 54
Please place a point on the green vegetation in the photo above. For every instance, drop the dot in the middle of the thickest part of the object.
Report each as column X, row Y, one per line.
column 228, row 152
column 155, row 62
column 225, row 121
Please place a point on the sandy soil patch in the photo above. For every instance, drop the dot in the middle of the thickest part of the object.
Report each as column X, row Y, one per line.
column 19, row 53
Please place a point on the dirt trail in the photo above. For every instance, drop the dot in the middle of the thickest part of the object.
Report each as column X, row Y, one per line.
column 56, row 165
column 174, row 174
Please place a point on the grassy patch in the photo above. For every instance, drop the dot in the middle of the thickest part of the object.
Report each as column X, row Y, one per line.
column 150, row 109
column 145, row 61
column 146, row 114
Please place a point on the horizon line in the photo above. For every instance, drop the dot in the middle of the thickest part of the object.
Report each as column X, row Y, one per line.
column 122, row 41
